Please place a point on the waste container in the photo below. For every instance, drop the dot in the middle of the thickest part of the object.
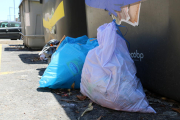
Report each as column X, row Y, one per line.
column 32, row 23
column 154, row 44
column 64, row 17
column 95, row 17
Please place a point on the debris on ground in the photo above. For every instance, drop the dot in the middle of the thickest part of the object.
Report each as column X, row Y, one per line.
column 74, row 108
column 35, row 59
column 170, row 113
column 67, row 63
column 99, row 118
column 62, row 92
column 64, row 95
column 43, row 57
column 90, row 108
column 87, row 110
column 176, row 109
column 154, row 99
column 49, row 49
column 77, row 111
column 69, row 100
column 81, row 97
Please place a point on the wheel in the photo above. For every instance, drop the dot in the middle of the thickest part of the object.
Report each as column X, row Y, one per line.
column 13, row 39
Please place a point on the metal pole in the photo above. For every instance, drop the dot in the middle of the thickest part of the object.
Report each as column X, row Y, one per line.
column 9, row 14
column 14, row 12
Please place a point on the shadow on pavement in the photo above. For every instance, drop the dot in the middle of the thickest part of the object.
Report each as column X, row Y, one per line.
column 13, row 47
column 31, row 59
column 19, row 48
column 16, row 45
column 44, row 89
column 41, row 71
column 74, row 108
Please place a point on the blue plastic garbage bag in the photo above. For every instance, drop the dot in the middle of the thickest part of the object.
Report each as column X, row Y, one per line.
column 67, row 62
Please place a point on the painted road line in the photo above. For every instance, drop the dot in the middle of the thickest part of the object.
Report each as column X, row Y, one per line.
column 11, row 72
column 0, row 55
column 5, row 73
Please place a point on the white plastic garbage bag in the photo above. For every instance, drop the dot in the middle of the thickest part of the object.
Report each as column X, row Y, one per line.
column 43, row 57
column 109, row 74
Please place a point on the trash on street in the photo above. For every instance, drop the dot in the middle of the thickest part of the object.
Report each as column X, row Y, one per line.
column 109, row 74
column 48, row 49
column 66, row 63
column 43, row 57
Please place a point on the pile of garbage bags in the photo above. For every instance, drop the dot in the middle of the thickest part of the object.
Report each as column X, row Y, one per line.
column 102, row 68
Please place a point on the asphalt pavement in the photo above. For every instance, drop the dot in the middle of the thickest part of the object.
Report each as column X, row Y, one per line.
column 22, row 99
column 19, row 97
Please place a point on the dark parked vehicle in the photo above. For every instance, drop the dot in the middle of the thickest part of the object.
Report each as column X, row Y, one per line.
column 10, row 30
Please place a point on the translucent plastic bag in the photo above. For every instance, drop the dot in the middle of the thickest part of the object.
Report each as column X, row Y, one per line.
column 66, row 65
column 109, row 74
